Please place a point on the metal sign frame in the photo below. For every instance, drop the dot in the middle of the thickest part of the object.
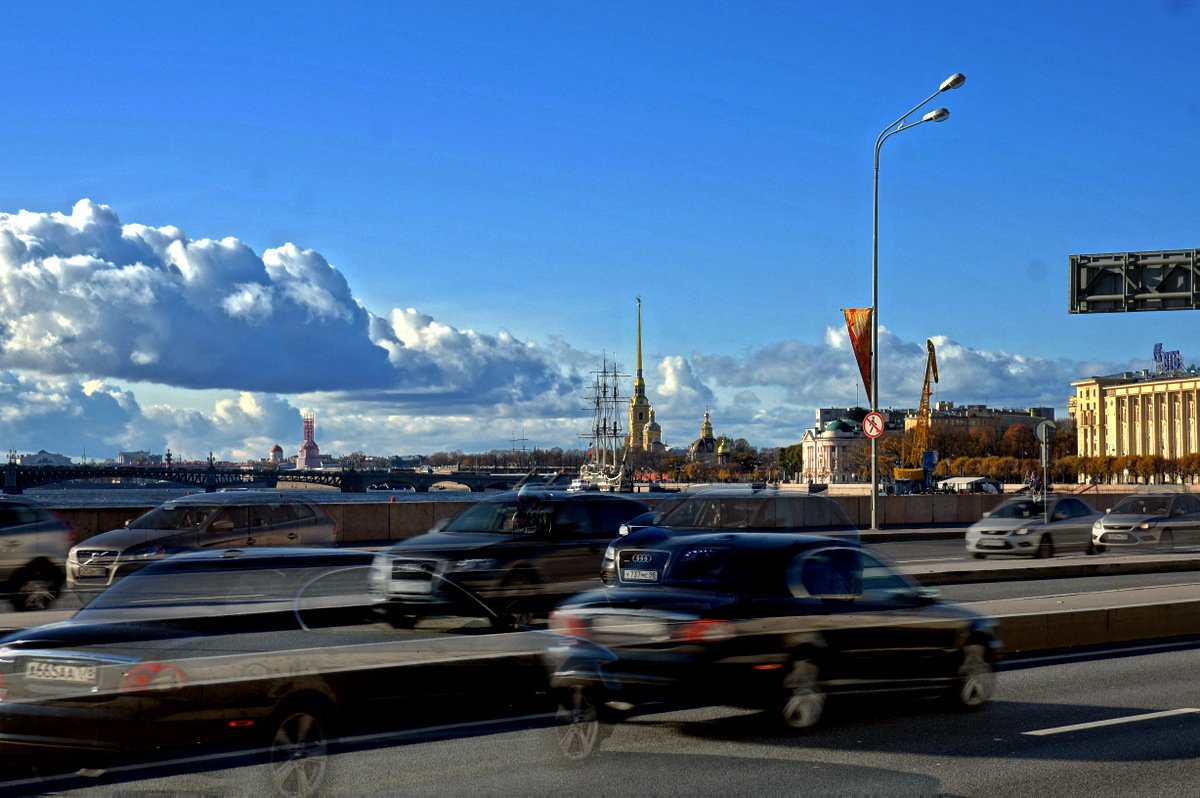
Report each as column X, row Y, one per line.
column 1135, row 281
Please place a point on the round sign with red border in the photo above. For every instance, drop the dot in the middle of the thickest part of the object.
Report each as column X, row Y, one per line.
column 873, row 425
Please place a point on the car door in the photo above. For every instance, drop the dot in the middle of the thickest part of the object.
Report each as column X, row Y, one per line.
column 228, row 526
column 272, row 524
column 879, row 629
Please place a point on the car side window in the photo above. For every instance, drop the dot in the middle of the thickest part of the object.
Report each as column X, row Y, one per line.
column 611, row 514
column 572, row 520
column 828, row 574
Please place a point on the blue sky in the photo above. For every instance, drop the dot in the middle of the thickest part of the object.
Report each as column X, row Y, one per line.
column 427, row 222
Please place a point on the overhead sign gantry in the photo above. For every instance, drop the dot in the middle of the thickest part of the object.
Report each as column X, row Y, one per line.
column 1135, row 281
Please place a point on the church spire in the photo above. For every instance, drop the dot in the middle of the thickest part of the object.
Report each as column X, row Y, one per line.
column 639, row 384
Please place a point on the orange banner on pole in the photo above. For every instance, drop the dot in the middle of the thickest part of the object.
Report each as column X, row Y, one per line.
column 858, row 323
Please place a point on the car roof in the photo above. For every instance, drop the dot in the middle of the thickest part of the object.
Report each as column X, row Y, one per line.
column 545, row 494
column 238, row 497
column 257, row 558
column 765, row 541
column 744, row 491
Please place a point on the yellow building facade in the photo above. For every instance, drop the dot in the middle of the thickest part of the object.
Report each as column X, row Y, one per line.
column 1136, row 414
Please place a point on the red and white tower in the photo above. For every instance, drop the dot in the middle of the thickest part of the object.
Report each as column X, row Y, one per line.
column 310, row 453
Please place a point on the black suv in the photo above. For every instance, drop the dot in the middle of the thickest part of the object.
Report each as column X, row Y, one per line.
column 515, row 549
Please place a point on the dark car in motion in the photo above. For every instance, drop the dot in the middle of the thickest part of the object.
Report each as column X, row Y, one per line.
column 735, row 509
column 276, row 654
column 34, row 542
column 518, row 550
column 239, row 519
column 777, row 622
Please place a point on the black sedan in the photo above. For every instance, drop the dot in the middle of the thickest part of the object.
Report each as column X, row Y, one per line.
column 278, row 654
column 777, row 622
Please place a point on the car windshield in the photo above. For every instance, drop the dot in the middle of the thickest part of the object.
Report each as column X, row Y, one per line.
column 714, row 512
column 176, row 516
column 506, row 516
column 1020, row 509
column 1143, row 505
column 222, row 587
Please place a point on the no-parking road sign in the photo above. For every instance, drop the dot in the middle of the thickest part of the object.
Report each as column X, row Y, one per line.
column 873, row 425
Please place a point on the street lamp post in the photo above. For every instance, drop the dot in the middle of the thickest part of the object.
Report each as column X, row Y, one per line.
column 940, row 115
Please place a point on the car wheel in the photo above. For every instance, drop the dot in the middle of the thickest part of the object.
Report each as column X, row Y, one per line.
column 297, row 751
column 975, row 680
column 35, row 588
column 1045, row 547
column 1095, row 548
column 1166, row 541
column 577, row 727
column 803, row 700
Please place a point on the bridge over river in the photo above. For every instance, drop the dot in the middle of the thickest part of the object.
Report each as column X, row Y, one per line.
column 18, row 478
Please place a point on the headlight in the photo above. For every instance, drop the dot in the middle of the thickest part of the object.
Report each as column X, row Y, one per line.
column 1146, row 525
column 473, row 565
column 1021, row 531
column 610, row 553
column 1099, row 525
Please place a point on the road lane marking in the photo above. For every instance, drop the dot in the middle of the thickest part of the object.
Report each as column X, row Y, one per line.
column 1113, row 721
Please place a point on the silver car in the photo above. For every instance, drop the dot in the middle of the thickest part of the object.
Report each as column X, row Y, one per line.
column 1157, row 520
column 33, row 552
column 1033, row 526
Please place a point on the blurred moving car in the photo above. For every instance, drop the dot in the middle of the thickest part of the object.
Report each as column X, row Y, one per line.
column 33, row 553
column 737, row 509
column 1035, row 526
column 518, row 550
column 1158, row 518
column 277, row 653
column 777, row 622
column 192, row 523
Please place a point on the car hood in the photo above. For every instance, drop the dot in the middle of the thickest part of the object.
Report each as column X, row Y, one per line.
column 452, row 542
column 1131, row 519
column 121, row 539
column 1004, row 524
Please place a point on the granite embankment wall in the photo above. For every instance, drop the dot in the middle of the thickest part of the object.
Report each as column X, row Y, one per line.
column 361, row 523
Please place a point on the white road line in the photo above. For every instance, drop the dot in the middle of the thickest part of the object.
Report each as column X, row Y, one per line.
column 1114, row 721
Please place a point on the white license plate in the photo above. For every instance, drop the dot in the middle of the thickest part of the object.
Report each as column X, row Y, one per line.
column 92, row 571
column 60, row 672
column 991, row 544
column 638, row 575
column 1119, row 536
column 633, row 627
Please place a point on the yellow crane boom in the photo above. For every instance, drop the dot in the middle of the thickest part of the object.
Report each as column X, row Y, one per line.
column 911, row 455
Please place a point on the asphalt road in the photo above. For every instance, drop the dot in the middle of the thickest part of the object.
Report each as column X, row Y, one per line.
column 1119, row 726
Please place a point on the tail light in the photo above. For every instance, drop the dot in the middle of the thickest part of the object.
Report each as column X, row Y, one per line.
column 152, row 677
column 566, row 624
column 706, row 630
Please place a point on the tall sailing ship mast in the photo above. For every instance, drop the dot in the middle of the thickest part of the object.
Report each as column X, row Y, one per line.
column 604, row 469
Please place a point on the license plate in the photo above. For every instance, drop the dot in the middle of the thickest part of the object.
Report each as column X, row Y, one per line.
column 92, row 571
column 991, row 544
column 638, row 575
column 631, row 627
column 41, row 671
column 1119, row 536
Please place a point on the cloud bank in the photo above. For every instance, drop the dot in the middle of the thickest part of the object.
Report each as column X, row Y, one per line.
column 91, row 308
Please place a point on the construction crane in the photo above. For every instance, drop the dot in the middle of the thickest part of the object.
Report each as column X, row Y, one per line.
column 916, row 461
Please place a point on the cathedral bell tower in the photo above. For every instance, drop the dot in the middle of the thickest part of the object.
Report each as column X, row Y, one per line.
column 640, row 414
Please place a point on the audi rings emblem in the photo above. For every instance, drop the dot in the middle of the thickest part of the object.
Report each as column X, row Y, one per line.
column 641, row 558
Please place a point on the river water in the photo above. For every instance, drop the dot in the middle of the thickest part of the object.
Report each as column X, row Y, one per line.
column 74, row 497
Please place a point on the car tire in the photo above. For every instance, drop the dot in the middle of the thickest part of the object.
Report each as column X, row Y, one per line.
column 577, row 728
column 1045, row 548
column 975, row 680
column 802, row 702
column 34, row 588
column 1095, row 548
column 1166, row 541
column 297, row 750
